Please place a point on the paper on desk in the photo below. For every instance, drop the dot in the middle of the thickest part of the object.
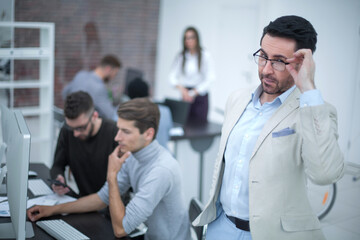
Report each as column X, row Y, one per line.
column 176, row 131
column 4, row 209
column 47, row 200
column 139, row 230
column 50, row 200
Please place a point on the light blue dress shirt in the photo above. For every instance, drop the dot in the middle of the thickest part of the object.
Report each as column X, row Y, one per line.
column 234, row 195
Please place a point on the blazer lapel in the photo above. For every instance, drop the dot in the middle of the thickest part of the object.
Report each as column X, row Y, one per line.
column 235, row 112
column 290, row 104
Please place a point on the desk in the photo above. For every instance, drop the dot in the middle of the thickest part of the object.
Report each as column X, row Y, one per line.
column 201, row 137
column 94, row 224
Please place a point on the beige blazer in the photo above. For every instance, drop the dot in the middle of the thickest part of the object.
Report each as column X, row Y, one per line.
column 279, row 167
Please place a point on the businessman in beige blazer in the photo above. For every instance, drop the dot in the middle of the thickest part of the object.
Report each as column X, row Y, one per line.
column 273, row 140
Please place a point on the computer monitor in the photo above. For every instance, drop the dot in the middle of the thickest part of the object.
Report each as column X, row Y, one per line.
column 16, row 143
column 131, row 74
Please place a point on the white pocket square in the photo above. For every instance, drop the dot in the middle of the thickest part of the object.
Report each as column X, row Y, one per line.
column 284, row 132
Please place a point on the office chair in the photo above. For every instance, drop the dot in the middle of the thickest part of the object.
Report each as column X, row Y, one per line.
column 59, row 120
column 58, row 114
column 195, row 209
column 179, row 110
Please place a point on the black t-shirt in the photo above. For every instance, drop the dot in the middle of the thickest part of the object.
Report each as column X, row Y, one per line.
column 87, row 159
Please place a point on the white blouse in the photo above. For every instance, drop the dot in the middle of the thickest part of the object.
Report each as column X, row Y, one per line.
column 191, row 77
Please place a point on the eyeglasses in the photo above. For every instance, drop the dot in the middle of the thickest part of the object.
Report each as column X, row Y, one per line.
column 190, row 38
column 79, row 128
column 276, row 64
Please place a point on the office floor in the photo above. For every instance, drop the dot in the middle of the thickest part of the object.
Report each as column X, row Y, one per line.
column 343, row 221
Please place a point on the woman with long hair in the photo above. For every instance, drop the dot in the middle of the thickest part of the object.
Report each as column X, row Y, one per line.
column 192, row 73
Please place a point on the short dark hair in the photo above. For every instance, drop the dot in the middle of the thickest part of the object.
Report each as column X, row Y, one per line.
column 78, row 103
column 293, row 27
column 138, row 88
column 141, row 110
column 110, row 60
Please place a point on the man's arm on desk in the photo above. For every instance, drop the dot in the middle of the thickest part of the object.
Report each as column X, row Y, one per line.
column 116, row 206
column 85, row 204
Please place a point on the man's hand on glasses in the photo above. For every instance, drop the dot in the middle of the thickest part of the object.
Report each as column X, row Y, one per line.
column 304, row 70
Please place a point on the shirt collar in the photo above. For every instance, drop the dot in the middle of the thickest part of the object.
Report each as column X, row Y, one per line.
column 256, row 95
column 189, row 55
column 96, row 76
column 148, row 153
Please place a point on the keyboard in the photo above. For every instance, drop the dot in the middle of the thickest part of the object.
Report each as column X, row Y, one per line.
column 60, row 230
column 39, row 187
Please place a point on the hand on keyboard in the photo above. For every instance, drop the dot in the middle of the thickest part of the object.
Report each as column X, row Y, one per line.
column 37, row 212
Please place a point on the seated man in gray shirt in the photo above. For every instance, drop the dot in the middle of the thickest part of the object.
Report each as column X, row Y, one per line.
column 148, row 168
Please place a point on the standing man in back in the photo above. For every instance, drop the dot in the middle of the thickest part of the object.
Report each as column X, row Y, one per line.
column 93, row 82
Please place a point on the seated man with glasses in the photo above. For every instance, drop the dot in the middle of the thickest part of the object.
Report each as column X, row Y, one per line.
column 274, row 139
column 84, row 144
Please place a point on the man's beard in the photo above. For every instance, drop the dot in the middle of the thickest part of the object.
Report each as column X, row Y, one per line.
column 277, row 89
column 87, row 137
column 106, row 79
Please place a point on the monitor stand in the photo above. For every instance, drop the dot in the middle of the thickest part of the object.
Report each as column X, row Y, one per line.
column 2, row 189
column 3, row 171
column 7, row 231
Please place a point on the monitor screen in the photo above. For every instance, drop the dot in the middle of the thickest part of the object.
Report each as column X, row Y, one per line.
column 131, row 74
column 16, row 145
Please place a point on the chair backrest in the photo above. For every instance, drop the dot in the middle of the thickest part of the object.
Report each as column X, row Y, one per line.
column 58, row 116
column 195, row 209
column 59, row 120
column 179, row 110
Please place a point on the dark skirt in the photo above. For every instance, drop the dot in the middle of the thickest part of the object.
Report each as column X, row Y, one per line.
column 199, row 110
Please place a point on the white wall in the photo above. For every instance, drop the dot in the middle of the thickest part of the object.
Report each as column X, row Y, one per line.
column 231, row 30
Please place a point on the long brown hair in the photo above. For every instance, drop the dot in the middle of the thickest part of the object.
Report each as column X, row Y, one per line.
column 198, row 47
